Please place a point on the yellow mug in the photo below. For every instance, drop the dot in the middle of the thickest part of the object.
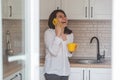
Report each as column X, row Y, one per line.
column 72, row 47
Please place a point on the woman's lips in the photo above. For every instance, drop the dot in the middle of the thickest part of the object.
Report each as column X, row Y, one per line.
column 63, row 22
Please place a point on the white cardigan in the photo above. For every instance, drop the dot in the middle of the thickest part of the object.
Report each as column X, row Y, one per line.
column 56, row 60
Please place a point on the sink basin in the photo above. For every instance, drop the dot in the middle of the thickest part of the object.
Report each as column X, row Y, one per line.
column 86, row 61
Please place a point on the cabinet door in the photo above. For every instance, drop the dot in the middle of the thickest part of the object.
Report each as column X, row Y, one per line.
column 76, row 9
column 47, row 6
column 13, row 9
column 100, row 74
column 42, row 73
column 4, row 8
column 77, row 74
column 16, row 76
column 100, row 9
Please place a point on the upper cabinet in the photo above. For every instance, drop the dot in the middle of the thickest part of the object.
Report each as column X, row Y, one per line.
column 78, row 9
column 4, row 13
column 101, row 9
column 47, row 6
column 88, row 9
column 75, row 9
column 12, row 9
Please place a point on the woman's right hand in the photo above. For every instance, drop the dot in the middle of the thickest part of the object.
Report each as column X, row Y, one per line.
column 58, row 29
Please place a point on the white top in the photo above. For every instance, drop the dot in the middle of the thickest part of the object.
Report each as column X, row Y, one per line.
column 56, row 60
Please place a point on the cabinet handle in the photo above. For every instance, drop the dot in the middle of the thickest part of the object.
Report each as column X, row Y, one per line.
column 20, row 76
column 89, row 74
column 91, row 12
column 10, row 11
column 83, row 74
column 57, row 8
column 14, row 77
column 86, row 12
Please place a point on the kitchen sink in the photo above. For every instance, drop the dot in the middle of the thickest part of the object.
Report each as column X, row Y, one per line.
column 85, row 61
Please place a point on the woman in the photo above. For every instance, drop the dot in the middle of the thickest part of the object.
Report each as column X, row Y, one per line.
column 57, row 37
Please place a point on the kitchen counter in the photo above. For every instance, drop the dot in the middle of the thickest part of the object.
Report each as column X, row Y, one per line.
column 11, row 68
column 106, row 64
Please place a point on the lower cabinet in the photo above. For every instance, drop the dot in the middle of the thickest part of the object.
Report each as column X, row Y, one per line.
column 77, row 74
column 42, row 73
column 16, row 76
column 86, row 74
column 100, row 74
column 90, row 74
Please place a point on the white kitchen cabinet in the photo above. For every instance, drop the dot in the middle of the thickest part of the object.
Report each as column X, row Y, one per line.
column 85, row 74
column 100, row 9
column 13, row 9
column 77, row 74
column 76, row 9
column 16, row 76
column 47, row 6
column 4, row 8
column 88, row 9
column 90, row 74
column 99, row 74
column 42, row 73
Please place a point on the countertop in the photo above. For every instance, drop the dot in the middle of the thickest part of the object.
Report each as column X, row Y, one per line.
column 106, row 64
column 9, row 69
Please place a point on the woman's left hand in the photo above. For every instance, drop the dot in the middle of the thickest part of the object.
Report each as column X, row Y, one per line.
column 64, row 37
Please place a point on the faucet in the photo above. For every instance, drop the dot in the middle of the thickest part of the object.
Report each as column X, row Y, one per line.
column 98, row 49
column 9, row 50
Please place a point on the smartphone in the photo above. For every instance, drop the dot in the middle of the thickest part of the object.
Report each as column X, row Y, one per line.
column 55, row 21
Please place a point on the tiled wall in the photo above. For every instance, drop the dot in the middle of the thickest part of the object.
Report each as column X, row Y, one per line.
column 15, row 28
column 83, row 32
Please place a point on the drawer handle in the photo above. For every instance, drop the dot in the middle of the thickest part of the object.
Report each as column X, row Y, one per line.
column 89, row 74
column 20, row 76
column 83, row 74
column 14, row 77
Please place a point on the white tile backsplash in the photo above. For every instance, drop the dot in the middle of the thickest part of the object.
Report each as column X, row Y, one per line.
column 83, row 31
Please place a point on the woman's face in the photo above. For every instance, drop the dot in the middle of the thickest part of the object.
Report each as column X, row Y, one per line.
column 62, row 19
